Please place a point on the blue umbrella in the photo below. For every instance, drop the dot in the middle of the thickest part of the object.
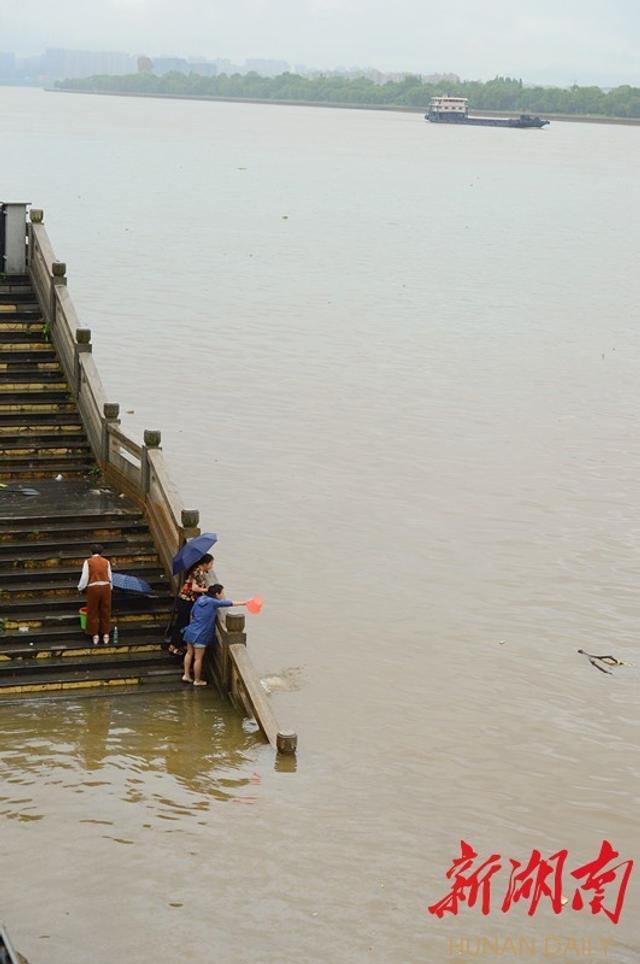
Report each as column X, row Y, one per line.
column 129, row 583
column 192, row 551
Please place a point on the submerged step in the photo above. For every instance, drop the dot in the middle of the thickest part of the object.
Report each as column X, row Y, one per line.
column 86, row 680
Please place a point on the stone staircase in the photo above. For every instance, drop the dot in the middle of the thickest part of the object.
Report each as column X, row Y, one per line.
column 47, row 525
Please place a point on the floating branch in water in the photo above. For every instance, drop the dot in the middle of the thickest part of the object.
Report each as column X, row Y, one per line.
column 607, row 660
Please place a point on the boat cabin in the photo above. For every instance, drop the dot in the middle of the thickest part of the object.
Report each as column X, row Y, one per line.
column 448, row 108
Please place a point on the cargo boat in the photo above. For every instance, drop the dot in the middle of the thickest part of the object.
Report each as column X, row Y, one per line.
column 455, row 110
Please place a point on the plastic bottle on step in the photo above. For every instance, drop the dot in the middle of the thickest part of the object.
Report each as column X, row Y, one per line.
column 115, row 636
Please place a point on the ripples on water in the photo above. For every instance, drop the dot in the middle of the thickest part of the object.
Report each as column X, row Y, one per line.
column 173, row 757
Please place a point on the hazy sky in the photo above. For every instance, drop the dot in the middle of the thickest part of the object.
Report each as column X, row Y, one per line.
column 553, row 41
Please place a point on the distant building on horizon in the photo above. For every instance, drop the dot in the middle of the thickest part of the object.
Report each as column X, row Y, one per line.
column 7, row 64
column 204, row 68
column 169, row 65
column 58, row 63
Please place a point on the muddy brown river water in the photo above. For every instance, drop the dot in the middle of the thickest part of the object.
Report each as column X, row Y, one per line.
column 396, row 367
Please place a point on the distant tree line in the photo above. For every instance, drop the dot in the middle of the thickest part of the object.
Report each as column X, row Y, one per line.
column 501, row 93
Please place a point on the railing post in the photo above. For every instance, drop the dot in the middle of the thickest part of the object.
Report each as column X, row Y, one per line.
column 58, row 279
column 190, row 519
column 81, row 347
column 111, row 412
column 287, row 741
column 231, row 631
column 152, row 439
column 36, row 216
column 235, row 629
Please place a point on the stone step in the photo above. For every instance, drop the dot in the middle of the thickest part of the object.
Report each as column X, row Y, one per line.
column 11, row 578
column 32, row 346
column 156, row 685
column 21, row 341
column 36, row 421
column 38, row 450
column 121, row 556
column 60, row 587
column 28, row 361
column 65, row 606
column 42, row 461
column 19, row 289
column 31, row 532
column 16, row 308
column 35, row 408
column 27, row 438
column 73, row 466
column 10, row 398
column 69, row 680
column 47, row 383
column 78, row 543
column 59, row 638
column 100, row 657
column 32, row 378
column 128, row 619
column 21, row 331
column 85, row 516
column 20, row 325
column 80, row 653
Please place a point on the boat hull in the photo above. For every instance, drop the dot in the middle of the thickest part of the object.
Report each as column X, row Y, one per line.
column 523, row 123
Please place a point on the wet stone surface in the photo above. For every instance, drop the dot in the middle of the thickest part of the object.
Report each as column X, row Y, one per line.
column 46, row 497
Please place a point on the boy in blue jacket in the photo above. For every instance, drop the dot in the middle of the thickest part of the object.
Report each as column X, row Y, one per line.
column 201, row 631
